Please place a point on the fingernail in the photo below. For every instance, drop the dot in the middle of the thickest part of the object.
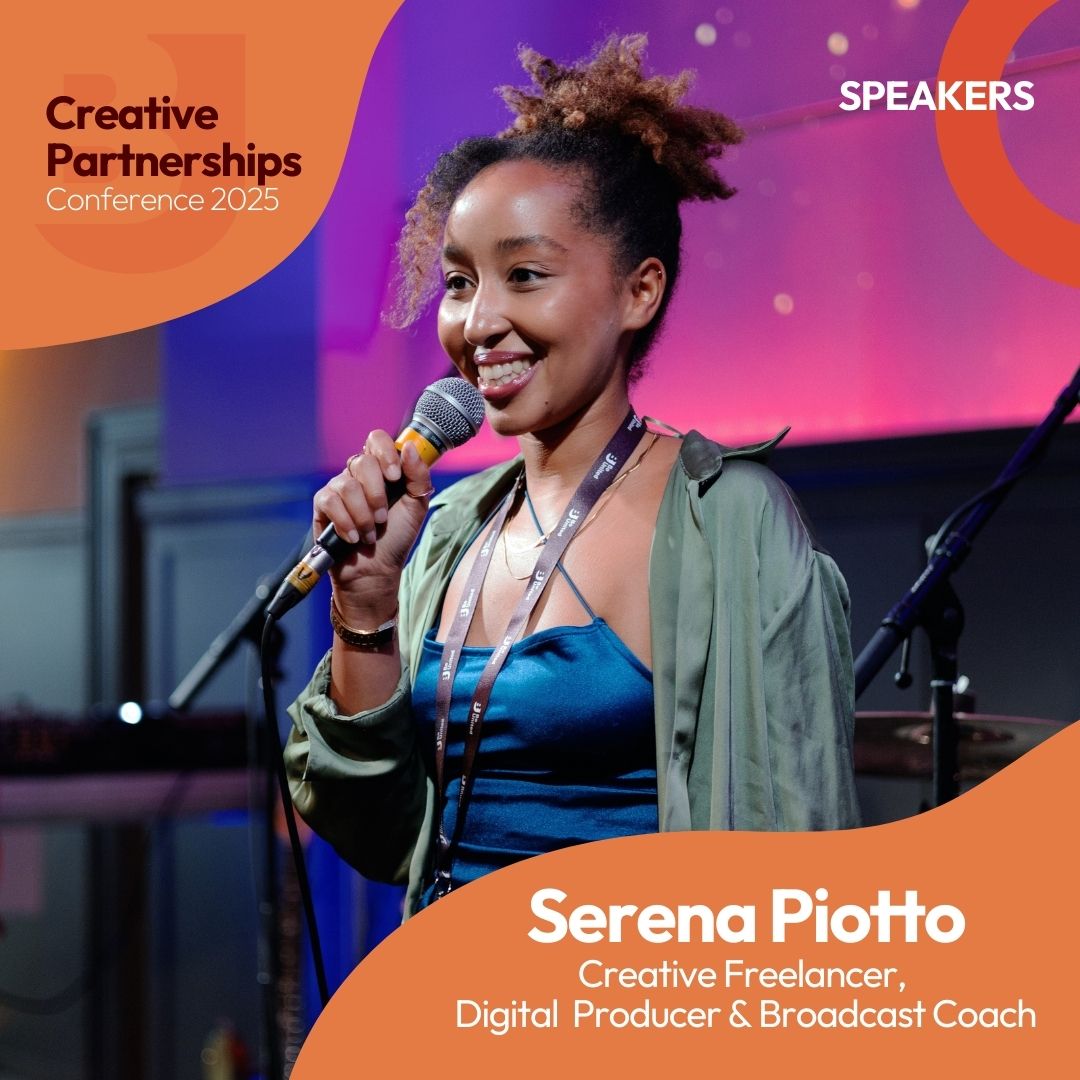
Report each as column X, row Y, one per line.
column 369, row 537
column 380, row 516
column 393, row 471
column 353, row 537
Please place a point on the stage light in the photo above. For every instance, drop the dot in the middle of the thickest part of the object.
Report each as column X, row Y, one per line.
column 838, row 44
column 130, row 712
column 783, row 304
column 907, row 5
column 725, row 16
column 864, row 280
column 741, row 39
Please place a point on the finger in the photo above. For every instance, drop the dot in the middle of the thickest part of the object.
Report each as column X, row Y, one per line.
column 330, row 509
column 417, row 474
column 369, row 473
column 381, row 446
column 351, row 489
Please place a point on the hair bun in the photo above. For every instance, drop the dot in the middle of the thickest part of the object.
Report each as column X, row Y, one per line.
column 608, row 91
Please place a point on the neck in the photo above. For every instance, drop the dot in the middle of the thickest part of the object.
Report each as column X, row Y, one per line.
column 557, row 458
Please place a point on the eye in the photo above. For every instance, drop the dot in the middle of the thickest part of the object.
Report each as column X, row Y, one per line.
column 456, row 283
column 525, row 275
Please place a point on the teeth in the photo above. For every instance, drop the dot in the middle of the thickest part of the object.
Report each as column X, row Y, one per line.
column 501, row 374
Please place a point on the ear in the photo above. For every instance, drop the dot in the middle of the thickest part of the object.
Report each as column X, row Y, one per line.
column 647, row 284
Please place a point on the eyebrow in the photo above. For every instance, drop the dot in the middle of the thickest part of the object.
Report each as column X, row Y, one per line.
column 508, row 245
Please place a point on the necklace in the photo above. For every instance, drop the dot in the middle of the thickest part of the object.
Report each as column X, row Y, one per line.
column 542, row 539
column 522, row 551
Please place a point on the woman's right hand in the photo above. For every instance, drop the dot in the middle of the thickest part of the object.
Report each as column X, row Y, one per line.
column 354, row 502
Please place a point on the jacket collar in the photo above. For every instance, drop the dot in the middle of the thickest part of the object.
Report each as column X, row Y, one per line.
column 703, row 459
column 477, row 495
column 473, row 498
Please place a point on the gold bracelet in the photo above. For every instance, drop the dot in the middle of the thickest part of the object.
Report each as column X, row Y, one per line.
column 361, row 639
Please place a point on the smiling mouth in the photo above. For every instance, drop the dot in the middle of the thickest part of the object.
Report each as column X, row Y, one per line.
column 492, row 371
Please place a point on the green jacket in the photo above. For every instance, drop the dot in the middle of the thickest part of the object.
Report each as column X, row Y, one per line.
column 752, row 673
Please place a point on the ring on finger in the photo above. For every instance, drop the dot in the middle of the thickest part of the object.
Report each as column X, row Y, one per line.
column 348, row 464
column 422, row 495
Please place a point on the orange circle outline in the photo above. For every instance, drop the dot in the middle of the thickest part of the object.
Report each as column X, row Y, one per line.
column 973, row 154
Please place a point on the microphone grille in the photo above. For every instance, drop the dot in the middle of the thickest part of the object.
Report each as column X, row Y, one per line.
column 455, row 407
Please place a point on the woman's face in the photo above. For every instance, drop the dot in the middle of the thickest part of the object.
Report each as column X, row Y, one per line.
column 532, row 312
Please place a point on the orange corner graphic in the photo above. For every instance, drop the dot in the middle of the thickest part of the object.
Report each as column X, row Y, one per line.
column 982, row 176
column 163, row 158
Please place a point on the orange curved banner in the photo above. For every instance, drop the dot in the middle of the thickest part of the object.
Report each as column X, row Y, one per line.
column 941, row 945
column 163, row 157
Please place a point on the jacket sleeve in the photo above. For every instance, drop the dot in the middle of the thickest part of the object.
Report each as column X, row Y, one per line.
column 751, row 659
column 358, row 780
column 807, row 675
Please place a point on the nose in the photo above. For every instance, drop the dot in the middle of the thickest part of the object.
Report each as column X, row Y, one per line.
column 486, row 321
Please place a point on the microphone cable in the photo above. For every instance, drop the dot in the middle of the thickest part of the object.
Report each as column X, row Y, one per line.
column 275, row 753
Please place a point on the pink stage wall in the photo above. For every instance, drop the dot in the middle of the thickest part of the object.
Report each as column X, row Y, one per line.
column 844, row 291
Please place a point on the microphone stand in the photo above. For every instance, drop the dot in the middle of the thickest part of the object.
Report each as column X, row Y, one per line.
column 247, row 625
column 933, row 604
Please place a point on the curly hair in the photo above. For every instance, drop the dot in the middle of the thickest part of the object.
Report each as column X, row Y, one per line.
column 642, row 151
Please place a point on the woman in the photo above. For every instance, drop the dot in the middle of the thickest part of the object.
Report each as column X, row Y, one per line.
column 686, row 663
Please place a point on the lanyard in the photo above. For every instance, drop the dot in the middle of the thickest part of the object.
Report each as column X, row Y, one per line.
column 600, row 475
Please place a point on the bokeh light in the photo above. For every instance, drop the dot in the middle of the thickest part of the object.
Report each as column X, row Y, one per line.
column 705, row 34
column 130, row 712
column 783, row 303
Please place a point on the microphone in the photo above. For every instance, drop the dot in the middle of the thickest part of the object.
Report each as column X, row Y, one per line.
column 448, row 414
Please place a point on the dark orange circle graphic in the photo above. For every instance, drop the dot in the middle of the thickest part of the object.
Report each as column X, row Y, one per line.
column 978, row 168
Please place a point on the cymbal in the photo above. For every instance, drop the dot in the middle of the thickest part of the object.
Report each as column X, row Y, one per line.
column 899, row 743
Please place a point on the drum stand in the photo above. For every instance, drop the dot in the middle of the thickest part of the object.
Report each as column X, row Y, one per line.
column 942, row 618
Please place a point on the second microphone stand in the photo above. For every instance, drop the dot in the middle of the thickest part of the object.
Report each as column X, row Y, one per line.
column 932, row 603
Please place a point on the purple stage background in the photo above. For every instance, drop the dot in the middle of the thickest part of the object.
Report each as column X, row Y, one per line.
column 843, row 291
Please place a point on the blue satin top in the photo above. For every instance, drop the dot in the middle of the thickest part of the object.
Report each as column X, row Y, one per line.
column 568, row 748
